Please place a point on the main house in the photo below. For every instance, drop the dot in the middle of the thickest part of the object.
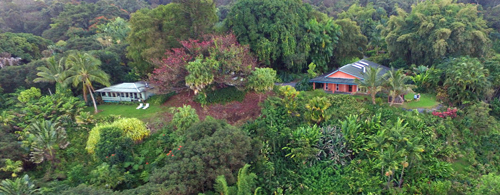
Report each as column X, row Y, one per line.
column 342, row 79
column 137, row 91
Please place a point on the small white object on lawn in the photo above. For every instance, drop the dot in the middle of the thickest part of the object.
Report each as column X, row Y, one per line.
column 146, row 106
column 139, row 107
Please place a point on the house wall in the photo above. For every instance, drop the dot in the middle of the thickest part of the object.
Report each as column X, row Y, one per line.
column 339, row 74
column 118, row 96
column 342, row 88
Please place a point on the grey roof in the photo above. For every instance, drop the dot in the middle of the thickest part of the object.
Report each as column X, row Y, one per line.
column 127, row 87
column 355, row 69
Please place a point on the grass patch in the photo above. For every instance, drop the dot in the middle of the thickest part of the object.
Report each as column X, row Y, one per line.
column 426, row 101
column 128, row 111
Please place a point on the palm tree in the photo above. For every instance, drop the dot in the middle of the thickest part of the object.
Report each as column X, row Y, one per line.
column 397, row 84
column 18, row 186
column 46, row 136
column 53, row 72
column 85, row 70
column 372, row 81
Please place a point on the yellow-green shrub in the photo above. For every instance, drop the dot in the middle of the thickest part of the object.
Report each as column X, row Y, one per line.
column 132, row 128
column 94, row 137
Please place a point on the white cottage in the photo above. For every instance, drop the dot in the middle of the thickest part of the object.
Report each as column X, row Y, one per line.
column 137, row 91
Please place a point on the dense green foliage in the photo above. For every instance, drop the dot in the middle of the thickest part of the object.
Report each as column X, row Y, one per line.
column 301, row 142
column 212, row 148
column 437, row 29
column 26, row 46
column 154, row 31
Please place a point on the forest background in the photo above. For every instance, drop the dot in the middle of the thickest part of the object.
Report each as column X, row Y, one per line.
column 53, row 54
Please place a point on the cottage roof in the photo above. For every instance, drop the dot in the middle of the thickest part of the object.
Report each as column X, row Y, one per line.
column 136, row 87
column 355, row 69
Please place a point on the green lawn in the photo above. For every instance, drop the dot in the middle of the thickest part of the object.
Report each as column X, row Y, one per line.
column 129, row 111
column 426, row 101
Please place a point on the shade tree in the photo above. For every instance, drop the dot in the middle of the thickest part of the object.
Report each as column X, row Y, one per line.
column 220, row 59
column 155, row 31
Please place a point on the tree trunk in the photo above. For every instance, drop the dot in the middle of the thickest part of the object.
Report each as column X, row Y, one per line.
column 373, row 98
column 93, row 99
column 392, row 100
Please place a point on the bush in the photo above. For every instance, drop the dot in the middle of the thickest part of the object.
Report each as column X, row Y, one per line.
column 132, row 128
column 220, row 96
column 304, row 85
column 113, row 147
column 160, row 98
column 287, row 77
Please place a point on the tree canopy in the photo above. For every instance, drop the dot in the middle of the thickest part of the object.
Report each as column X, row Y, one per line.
column 434, row 30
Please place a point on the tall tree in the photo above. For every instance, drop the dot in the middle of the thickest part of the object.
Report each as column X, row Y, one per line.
column 397, row 84
column 372, row 82
column 273, row 30
column 85, row 70
column 81, row 20
column 435, row 30
column 155, row 31
column 352, row 42
column 53, row 72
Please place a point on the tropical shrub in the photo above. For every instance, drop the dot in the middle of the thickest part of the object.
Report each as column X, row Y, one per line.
column 113, row 147
column 224, row 95
column 22, row 185
column 160, row 98
column 131, row 128
column 184, row 117
column 211, row 148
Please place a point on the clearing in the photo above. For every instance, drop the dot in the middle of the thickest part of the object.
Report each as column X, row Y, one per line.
column 426, row 101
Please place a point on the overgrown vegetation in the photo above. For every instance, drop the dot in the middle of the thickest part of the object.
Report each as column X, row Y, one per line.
column 55, row 54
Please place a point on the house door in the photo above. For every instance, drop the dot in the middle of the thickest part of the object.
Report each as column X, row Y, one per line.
column 350, row 88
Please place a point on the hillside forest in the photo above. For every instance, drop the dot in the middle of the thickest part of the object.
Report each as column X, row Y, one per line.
column 219, row 122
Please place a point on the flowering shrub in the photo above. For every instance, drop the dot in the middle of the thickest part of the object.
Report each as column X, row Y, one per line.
column 448, row 113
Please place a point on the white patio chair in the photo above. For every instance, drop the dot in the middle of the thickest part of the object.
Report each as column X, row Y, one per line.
column 140, row 106
column 146, row 106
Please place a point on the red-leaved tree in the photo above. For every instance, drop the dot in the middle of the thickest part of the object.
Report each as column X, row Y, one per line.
column 235, row 63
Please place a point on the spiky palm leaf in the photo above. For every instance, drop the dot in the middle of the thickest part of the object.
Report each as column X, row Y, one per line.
column 85, row 70
column 372, row 81
column 46, row 136
column 18, row 186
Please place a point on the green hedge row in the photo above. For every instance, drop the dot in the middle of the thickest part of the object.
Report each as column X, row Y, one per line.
column 220, row 96
column 160, row 99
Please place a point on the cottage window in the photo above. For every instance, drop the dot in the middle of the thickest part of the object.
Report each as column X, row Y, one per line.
column 350, row 88
column 135, row 95
column 114, row 95
column 327, row 85
column 337, row 87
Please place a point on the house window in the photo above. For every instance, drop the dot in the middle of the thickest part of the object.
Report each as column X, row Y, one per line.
column 135, row 95
column 337, row 87
column 327, row 85
column 350, row 88
column 126, row 94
